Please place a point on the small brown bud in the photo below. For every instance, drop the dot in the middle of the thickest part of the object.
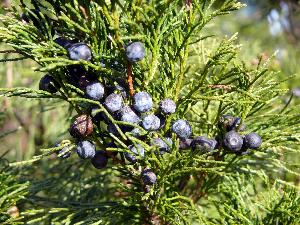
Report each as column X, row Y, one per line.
column 13, row 212
column 82, row 126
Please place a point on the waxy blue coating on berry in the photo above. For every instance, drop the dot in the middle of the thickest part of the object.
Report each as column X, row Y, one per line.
column 85, row 149
column 151, row 122
column 182, row 128
column 135, row 51
column 113, row 102
column 233, row 141
column 100, row 160
column 80, row 51
column 167, row 106
column 252, row 140
column 94, row 91
column 142, row 102
column 148, row 177
column 48, row 83
column 128, row 115
column 139, row 151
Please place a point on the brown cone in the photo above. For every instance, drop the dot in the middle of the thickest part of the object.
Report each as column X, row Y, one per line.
column 82, row 126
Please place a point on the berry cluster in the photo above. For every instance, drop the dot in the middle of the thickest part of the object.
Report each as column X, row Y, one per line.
column 232, row 140
column 139, row 116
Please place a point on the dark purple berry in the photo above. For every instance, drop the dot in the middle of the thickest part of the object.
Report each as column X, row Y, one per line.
column 111, row 128
column 167, row 106
column 233, row 141
column 48, row 83
column 85, row 149
column 63, row 42
column 113, row 102
column 182, row 128
column 151, row 122
column 203, row 144
column 100, row 159
column 252, row 141
column 148, row 177
column 135, row 51
column 142, row 102
column 80, row 51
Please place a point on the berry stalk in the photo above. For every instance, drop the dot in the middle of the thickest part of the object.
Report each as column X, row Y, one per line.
column 130, row 79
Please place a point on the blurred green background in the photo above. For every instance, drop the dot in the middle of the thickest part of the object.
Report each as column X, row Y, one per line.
column 268, row 30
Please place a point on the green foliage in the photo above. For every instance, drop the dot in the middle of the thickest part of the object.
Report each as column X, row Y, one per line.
column 203, row 73
column 13, row 191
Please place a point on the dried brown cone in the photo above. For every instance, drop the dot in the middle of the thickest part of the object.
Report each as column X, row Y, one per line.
column 82, row 126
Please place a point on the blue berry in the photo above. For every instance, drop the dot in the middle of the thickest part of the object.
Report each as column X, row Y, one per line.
column 135, row 51
column 80, row 51
column 151, row 122
column 233, row 141
column 94, row 91
column 100, row 159
column 167, row 106
column 48, row 83
column 203, row 144
column 128, row 115
column 139, row 151
column 182, row 128
column 148, row 177
column 113, row 102
column 252, row 140
column 85, row 149
column 142, row 102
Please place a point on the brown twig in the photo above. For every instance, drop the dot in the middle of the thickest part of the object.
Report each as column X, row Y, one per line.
column 83, row 10
column 130, row 79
